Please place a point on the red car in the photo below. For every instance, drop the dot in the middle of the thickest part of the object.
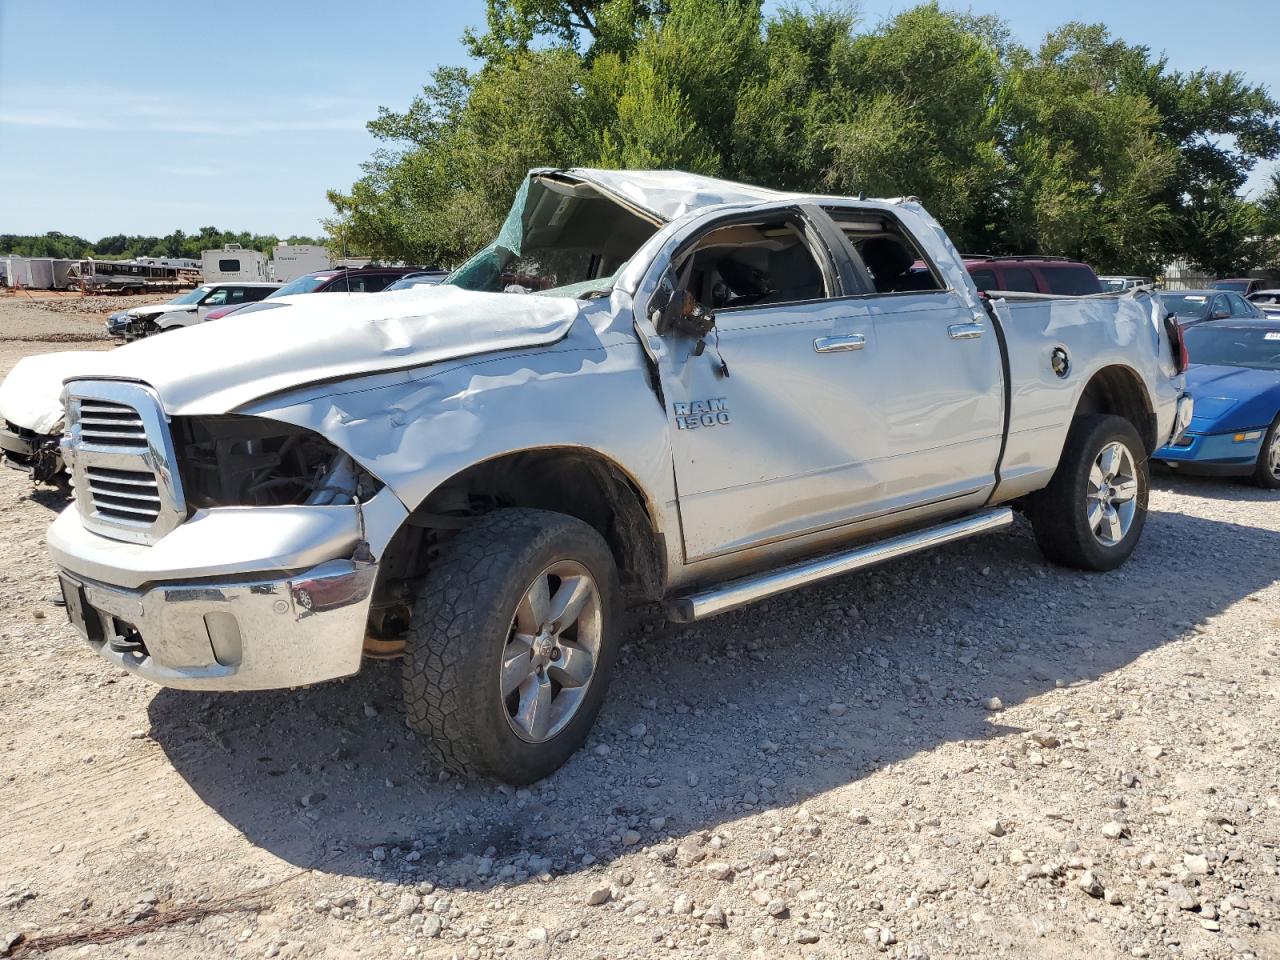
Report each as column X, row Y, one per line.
column 1057, row 275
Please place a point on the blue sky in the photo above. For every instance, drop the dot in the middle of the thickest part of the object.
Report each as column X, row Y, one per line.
column 151, row 115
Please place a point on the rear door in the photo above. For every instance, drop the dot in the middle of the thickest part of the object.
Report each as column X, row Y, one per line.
column 937, row 372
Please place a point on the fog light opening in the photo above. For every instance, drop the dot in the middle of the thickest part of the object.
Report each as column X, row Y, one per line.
column 224, row 637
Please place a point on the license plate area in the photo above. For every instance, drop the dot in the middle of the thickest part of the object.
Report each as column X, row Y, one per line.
column 82, row 616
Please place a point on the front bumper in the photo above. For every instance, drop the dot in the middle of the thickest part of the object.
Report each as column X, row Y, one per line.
column 243, row 634
column 1219, row 454
column 34, row 453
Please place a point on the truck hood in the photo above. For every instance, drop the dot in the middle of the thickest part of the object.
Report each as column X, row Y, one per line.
column 31, row 395
column 218, row 367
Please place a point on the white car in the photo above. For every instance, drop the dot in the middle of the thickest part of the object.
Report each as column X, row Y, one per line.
column 190, row 308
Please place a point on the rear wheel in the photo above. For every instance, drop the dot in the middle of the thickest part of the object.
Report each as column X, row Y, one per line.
column 1091, row 514
column 512, row 644
column 1266, row 473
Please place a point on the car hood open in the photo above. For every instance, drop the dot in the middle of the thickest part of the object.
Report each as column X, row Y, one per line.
column 218, row 367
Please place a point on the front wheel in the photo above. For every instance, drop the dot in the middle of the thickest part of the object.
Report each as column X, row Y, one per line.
column 1266, row 473
column 511, row 645
column 1091, row 514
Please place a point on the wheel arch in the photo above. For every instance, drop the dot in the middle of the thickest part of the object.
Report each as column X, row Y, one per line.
column 1117, row 389
column 576, row 481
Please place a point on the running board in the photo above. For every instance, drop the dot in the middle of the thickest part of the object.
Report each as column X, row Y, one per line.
column 738, row 593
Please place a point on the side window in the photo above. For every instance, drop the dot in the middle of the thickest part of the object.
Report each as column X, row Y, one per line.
column 752, row 265
column 984, row 279
column 892, row 262
column 254, row 294
column 1220, row 306
column 1238, row 307
column 236, row 295
column 376, row 282
column 1020, row 280
column 1072, row 281
column 229, row 266
column 215, row 299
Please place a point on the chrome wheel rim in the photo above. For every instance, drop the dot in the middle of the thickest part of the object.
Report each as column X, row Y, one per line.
column 1273, row 455
column 551, row 653
column 1111, row 499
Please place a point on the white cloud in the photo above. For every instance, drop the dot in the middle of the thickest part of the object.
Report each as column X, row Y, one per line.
column 135, row 111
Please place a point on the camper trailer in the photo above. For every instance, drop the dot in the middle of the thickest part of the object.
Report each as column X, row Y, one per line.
column 233, row 262
column 290, row 261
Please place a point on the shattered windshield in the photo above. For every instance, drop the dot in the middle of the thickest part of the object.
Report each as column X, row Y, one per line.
column 561, row 239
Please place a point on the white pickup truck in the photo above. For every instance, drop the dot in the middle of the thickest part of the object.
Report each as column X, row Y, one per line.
column 652, row 386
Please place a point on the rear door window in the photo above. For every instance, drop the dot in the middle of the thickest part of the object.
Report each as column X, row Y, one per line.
column 984, row 279
column 1070, row 281
column 1020, row 280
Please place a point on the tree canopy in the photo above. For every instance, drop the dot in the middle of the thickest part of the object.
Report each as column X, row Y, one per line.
column 1085, row 145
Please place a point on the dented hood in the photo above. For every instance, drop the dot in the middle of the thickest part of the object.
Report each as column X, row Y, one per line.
column 31, row 395
column 219, row 366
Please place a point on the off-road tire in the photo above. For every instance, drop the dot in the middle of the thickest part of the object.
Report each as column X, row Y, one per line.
column 1058, row 513
column 1262, row 474
column 461, row 622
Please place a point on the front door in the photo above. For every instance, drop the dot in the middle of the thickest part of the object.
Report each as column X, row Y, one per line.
column 791, row 440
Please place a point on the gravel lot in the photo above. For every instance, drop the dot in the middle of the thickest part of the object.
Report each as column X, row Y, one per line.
column 966, row 754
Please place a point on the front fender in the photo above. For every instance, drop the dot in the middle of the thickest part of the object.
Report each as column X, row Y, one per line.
column 414, row 432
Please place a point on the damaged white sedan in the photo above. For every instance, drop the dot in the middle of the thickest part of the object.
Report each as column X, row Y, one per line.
column 651, row 387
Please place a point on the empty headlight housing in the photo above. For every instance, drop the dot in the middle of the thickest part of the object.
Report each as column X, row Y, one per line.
column 241, row 461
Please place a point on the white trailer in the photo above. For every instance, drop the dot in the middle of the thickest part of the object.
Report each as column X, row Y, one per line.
column 292, row 260
column 233, row 262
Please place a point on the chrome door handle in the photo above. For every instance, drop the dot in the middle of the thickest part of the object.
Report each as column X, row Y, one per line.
column 965, row 331
column 854, row 341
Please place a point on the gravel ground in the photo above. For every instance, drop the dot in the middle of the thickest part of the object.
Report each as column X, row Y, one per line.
column 966, row 754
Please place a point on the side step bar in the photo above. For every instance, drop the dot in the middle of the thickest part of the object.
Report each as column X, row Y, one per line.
column 738, row 593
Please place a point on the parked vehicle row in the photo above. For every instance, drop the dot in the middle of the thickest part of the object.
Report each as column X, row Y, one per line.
column 657, row 386
column 1197, row 306
column 186, row 309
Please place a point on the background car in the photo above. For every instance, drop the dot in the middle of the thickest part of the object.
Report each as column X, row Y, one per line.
column 1241, row 285
column 192, row 307
column 1235, row 379
column 1056, row 275
column 335, row 280
column 1268, row 301
column 1197, row 306
column 1121, row 284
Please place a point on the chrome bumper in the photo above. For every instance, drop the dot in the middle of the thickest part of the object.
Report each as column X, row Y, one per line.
column 246, row 634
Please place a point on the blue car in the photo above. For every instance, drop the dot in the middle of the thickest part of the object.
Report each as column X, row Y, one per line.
column 1235, row 379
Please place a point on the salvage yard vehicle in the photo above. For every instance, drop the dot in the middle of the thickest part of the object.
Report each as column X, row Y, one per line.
column 652, row 386
column 186, row 310
column 1038, row 274
column 1234, row 379
column 31, row 411
column 1119, row 284
column 1198, row 306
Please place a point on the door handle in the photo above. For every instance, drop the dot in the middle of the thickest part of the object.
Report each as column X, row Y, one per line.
column 854, row 341
column 965, row 331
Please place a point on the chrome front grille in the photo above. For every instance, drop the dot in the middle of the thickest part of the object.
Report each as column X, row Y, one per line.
column 120, row 453
column 111, row 424
column 128, row 496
